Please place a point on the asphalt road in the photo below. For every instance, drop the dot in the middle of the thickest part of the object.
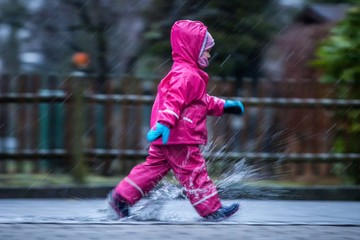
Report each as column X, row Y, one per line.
column 176, row 219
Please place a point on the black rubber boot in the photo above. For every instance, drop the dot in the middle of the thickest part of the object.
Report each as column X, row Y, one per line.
column 223, row 212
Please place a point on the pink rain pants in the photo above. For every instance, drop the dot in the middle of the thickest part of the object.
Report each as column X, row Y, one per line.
column 189, row 167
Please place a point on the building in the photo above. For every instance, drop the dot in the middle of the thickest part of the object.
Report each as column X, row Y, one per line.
column 287, row 63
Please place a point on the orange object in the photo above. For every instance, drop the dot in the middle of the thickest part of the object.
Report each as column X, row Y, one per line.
column 81, row 59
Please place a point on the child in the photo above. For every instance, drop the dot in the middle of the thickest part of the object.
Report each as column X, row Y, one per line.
column 178, row 121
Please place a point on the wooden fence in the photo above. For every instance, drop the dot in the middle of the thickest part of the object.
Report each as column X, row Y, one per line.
column 44, row 119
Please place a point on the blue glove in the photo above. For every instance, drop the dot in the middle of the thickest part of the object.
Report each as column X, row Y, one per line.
column 158, row 131
column 234, row 107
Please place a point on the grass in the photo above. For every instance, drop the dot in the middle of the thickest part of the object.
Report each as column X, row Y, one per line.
column 58, row 180
column 46, row 180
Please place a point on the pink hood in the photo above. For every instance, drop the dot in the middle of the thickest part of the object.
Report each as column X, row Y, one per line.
column 187, row 38
column 182, row 102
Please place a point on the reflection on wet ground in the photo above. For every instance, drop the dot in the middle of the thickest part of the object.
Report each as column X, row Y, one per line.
column 147, row 211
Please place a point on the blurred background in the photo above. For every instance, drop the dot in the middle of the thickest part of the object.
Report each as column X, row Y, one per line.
column 78, row 77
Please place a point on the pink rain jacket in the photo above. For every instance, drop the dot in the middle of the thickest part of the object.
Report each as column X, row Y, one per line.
column 182, row 102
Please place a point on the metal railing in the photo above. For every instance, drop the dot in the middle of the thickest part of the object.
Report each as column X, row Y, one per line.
column 141, row 154
column 29, row 98
column 143, row 99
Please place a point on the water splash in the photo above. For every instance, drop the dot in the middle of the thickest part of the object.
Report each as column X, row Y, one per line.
column 150, row 209
column 231, row 184
column 234, row 179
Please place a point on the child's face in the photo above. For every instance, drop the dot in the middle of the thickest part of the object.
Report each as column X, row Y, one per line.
column 206, row 53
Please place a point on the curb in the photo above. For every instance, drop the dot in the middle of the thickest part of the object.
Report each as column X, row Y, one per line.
column 348, row 193
column 55, row 192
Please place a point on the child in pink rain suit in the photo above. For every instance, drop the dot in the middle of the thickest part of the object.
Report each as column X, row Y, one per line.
column 178, row 121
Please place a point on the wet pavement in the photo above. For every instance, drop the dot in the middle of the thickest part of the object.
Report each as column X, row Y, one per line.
column 176, row 219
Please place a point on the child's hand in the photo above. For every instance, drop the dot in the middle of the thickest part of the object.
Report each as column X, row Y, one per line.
column 158, row 131
column 235, row 107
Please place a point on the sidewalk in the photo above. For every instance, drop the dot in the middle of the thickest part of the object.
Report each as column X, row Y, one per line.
column 77, row 219
column 175, row 232
column 166, row 211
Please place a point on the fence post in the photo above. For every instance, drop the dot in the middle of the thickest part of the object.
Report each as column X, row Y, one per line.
column 20, row 126
column 4, row 126
column 34, row 82
column 50, row 119
column 129, row 122
column 79, row 168
column 107, row 128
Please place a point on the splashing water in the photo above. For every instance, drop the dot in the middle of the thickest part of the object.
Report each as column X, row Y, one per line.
column 150, row 209
column 231, row 184
column 233, row 180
